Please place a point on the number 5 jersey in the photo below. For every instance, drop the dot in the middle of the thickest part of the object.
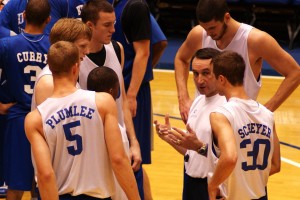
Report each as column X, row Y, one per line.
column 74, row 132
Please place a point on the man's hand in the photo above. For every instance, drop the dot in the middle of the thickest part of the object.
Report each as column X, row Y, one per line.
column 184, row 108
column 132, row 105
column 135, row 154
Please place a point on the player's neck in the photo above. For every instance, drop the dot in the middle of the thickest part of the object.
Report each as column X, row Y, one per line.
column 232, row 28
column 95, row 46
column 63, row 87
column 34, row 30
column 236, row 91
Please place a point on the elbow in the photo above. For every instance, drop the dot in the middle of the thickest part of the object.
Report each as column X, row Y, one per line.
column 46, row 176
column 163, row 44
column 276, row 168
column 118, row 159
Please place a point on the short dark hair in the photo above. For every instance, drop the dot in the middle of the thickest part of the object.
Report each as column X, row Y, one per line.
column 37, row 12
column 90, row 10
column 62, row 56
column 205, row 53
column 208, row 10
column 102, row 79
column 231, row 65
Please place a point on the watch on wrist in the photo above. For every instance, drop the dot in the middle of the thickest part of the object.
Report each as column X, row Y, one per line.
column 203, row 149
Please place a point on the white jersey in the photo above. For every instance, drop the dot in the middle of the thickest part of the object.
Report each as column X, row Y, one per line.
column 74, row 132
column 199, row 166
column 111, row 61
column 46, row 71
column 253, row 127
column 239, row 45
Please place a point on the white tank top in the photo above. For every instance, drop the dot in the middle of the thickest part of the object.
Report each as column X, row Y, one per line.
column 199, row 166
column 253, row 127
column 74, row 132
column 46, row 71
column 239, row 45
column 112, row 62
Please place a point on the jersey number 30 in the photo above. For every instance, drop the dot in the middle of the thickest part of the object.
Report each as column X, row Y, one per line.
column 73, row 137
column 257, row 147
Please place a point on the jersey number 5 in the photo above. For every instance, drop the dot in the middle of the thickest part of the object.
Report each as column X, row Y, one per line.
column 257, row 148
column 77, row 138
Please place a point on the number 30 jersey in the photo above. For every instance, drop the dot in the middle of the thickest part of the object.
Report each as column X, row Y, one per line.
column 252, row 124
column 74, row 131
column 22, row 58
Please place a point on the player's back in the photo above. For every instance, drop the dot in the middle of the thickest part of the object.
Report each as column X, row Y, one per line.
column 74, row 132
column 23, row 57
column 253, row 128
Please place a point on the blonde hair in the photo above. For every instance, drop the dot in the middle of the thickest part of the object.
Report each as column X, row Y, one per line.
column 69, row 29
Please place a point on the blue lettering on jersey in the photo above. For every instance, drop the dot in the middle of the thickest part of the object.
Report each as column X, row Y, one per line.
column 254, row 128
column 65, row 113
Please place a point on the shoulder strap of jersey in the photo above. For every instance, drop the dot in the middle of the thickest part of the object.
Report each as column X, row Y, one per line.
column 117, row 49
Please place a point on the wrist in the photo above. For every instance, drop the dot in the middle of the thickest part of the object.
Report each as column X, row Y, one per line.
column 202, row 149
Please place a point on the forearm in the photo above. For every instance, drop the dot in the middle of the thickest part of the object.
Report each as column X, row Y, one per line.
column 286, row 88
column 125, row 177
column 47, row 187
column 138, row 72
column 158, row 50
column 223, row 169
column 4, row 107
column 181, row 77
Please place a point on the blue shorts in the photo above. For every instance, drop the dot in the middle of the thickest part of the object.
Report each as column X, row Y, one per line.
column 79, row 197
column 142, row 122
column 139, row 180
column 2, row 128
column 194, row 188
column 18, row 169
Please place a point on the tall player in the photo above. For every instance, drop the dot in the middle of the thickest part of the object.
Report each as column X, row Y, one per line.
column 246, row 135
column 22, row 58
column 67, row 29
column 77, row 126
column 100, row 17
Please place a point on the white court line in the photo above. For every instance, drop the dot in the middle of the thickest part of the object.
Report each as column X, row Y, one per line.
column 290, row 162
column 173, row 71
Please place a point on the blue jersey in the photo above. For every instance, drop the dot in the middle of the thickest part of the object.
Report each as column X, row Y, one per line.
column 75, row 8
column 11, row 17
column 22, row 58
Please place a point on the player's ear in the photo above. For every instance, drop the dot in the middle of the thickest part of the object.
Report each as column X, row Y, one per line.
column 48, row 19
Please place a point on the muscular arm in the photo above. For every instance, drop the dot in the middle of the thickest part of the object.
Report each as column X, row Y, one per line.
column 158, row 49
column 45, row 174
column 276, row 161
column 119, row 160
column 43, row 89
column 262, row 45
column 142, row 50
column 183, row 56
column 135, row 152
column 223, row 133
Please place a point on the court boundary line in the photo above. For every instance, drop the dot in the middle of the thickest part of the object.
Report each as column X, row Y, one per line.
column 173, row 71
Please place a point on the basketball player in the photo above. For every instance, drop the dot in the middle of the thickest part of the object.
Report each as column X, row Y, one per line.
column 245, row 133
column 12, row 21
column 22, row 58
column 219, row 30
column 77, row 127
column 67, row 29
